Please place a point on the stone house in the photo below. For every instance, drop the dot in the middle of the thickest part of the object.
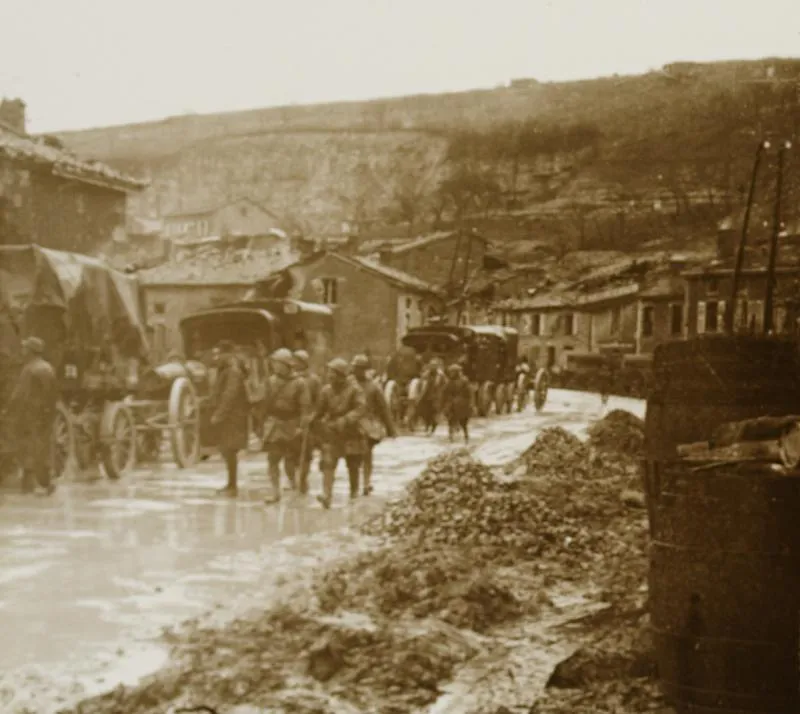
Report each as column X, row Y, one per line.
column 708, row 292
column 373, row 304
column 241, row 217
column 660, row 313
column 53, row 198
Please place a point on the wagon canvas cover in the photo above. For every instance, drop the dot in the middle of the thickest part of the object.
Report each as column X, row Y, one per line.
column 86, row 299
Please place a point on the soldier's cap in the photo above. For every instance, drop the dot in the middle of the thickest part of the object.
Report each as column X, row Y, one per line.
column 34, row 344
column 226, row 346
column 283, row 356
column 301, row 356
column 339, row 366
column 361, row 361
column 454, row 368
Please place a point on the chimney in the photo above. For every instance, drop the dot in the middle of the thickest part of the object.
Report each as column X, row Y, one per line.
column 12, row 114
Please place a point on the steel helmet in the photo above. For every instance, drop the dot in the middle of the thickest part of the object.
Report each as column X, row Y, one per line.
column 301, row 356
column 339, row 366
column 360, row 361
column 283, row 356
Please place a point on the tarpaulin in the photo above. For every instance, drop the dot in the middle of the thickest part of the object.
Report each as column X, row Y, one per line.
column 71, row 298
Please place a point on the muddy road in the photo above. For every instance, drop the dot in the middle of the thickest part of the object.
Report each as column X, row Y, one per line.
column 91, row 576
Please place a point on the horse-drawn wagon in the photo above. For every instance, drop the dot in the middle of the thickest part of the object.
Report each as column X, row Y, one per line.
column 488, row 356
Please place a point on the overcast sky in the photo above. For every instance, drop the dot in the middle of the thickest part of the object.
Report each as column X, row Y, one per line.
column 82, row 63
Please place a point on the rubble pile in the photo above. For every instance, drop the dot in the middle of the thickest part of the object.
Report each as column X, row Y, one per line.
column 619, row 432
column 406, row 579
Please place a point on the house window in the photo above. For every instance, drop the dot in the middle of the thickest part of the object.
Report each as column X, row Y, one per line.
column 676, row 319
column 569, row 324
column 712, row 287
column 159, row 308
column 80, row 203
column 712, row 316
column 536, row 325
column 330, row 291
column 408, row 303
column 647, row 321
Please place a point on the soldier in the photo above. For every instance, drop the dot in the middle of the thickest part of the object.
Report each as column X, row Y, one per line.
column 339, row 413
column 33, row 407
column 457, row 401
column 287, row 407
column 430, row 400
column 231, row 409
column 377, row 422
column 310, row 443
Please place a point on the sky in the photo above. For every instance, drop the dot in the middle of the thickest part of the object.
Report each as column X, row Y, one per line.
column 84, row 63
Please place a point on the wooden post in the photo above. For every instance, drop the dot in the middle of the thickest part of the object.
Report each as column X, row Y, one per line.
column 773, row 247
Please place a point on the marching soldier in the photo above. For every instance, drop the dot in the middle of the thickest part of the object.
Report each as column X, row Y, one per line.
column 313, row 385
column 230, row 412
column 287, row 407
column 377, row 422
column 33, row 406
column 457, row 401
column 339, row 413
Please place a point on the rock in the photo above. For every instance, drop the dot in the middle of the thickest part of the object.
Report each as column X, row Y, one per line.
column 634, row 499
column 325, row 659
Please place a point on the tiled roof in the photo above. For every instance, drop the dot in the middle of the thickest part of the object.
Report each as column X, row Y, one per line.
column 205, row 209
column 398, row 277
column 404, row 246
column 536, row 302
column 64, row 163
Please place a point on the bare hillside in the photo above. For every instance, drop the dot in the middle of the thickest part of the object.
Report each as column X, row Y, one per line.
column 612, row 162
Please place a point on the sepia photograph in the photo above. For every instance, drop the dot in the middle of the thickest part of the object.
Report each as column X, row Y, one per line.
column 400, row 357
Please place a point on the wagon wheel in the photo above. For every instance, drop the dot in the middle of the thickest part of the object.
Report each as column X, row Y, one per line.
column 540, row 387
column 117, row 439
column 521, row 389
column 500, row 398
column 484, row 398
column 63, row 440
column 391, row 394
column 184, row 423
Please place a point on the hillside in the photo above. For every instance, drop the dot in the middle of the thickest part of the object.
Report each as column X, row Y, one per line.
column 608, row 163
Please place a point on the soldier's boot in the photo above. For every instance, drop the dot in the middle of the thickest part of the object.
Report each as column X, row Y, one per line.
column 353, row 474
column 290, row 466
column 302, row 478
column 327, row 487
column 232, row 467
column 274, row 469
column 368, row 473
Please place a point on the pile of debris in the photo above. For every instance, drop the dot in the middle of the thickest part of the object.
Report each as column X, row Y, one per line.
column 619, row 432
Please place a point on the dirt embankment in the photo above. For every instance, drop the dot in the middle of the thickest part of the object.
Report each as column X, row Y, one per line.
column 468, row 603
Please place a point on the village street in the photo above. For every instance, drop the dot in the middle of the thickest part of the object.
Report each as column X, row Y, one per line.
column 91, row 576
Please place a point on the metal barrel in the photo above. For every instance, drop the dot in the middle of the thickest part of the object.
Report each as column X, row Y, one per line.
column 725, row 540
column 724, row 588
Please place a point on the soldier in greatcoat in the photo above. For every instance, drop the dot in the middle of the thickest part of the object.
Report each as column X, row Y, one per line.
column 310, row 442
column 341, row 408
column 457, row 401
column 32, row 408
column 287, row 408
column 231, row 409
column 377, row 422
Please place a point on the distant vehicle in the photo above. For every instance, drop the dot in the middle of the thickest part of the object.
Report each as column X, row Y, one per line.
column 488, row 355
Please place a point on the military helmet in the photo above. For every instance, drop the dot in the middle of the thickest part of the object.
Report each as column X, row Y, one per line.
column 282, row 356
column 454, row 369
column 339, row 366
column 34, row 344
column 301, row 356
column 360, row 361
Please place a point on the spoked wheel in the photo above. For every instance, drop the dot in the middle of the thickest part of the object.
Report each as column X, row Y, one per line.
column 540, row 388
column 521, row 390
column 117, row 439
column 184, row 423
column 63, row 440
column 485, row 393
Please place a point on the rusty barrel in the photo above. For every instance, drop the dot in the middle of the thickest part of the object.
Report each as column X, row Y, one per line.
column 725, row 549
column 724, row 588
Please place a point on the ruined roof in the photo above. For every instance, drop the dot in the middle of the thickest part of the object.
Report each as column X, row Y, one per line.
column 206, row 209
column 219, row 267
column 63, row 163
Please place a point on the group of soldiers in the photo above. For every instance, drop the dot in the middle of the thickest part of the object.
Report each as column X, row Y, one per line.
column 341, row 419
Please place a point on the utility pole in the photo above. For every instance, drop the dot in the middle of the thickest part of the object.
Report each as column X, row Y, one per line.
column 773, row 248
